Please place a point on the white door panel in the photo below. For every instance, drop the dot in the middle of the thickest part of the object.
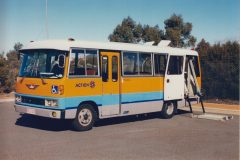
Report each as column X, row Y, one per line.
column 173, row 87
column 174, row 78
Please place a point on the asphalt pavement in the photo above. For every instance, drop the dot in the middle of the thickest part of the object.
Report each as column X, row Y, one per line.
column 144, row 137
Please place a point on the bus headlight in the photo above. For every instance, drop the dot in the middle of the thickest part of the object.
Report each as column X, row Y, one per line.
column 18, row 98
column 51, row 103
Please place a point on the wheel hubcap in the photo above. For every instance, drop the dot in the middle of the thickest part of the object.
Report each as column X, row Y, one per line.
column 170, row 108
column 85, row 117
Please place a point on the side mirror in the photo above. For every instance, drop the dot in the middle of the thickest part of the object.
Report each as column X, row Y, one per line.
column 18, row 55
column 61, row 60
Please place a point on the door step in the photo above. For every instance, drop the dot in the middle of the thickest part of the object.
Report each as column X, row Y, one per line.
column 215, row 117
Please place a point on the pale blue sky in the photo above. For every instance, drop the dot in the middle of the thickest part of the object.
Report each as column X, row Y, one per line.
column 24, row 20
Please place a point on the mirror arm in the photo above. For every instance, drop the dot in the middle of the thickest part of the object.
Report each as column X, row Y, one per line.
column 18, row 55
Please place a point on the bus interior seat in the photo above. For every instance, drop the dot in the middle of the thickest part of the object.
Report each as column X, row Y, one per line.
column 79, row 71
column 91, row 72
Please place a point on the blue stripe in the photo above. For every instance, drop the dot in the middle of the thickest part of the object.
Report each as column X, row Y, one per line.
column 64, row 103
column 141, row 97
column 75, row 101
column 142, row 101
column 108, row 99
column 100, row 100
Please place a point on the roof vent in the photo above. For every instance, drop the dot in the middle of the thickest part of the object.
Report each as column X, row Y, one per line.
column 71, row 39
column 149, row 43
column 164, row 43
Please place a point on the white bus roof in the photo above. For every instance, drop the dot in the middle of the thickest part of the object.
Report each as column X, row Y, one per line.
column 66, row 45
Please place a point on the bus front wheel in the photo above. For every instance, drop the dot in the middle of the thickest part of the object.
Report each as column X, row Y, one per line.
column 168, row 110
column 85, row 118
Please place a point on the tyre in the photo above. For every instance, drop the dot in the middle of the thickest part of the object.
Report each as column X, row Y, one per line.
column 169, row 109
column 85, row 118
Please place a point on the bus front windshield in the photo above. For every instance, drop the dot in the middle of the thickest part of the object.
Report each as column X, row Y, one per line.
column 42, row 63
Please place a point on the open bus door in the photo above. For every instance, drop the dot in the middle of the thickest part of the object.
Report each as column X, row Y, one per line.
column 174, row 78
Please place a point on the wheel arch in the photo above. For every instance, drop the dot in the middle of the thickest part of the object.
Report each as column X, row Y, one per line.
column 175, row 101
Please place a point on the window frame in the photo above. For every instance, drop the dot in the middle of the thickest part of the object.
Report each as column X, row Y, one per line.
column 168, row 62
column 151, row 54
column 122, row 68
column 83, row 76
column 117, row 68
column 197, row 72
column 138, row 75
column 163, row 54
column 24, row 51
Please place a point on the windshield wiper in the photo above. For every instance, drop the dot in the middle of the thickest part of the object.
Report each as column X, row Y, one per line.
column 22, row 79
column 43, row 82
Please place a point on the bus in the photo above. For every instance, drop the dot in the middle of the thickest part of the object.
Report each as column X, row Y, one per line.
column 87, row 81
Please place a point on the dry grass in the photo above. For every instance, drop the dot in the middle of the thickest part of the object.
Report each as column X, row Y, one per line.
column 7, row 96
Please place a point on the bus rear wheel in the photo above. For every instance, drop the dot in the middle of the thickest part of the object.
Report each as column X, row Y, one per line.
column 85, row 118
column 169, row 109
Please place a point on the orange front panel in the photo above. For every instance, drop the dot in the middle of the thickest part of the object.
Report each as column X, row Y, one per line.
column 36, row 86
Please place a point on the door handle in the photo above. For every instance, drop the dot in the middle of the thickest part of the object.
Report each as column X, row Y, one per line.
column 168, row 80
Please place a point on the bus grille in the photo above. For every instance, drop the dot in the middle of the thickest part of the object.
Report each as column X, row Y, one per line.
column 31, row 100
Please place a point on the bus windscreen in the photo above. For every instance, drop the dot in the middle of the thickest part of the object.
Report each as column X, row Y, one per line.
column 42, row 63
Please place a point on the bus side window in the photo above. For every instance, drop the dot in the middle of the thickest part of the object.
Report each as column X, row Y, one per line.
column 175, row 65
column 114, row 68
column 91, row 62
column 73, row 64
column 145, row 63
column 160, row 62
column 80, row 67
column 130, row 63
column 77, row 63
column 104, row 68
column 195, row 64
column 83, row 62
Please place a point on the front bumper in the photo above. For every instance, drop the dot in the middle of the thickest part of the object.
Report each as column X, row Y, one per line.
column 50, row 113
